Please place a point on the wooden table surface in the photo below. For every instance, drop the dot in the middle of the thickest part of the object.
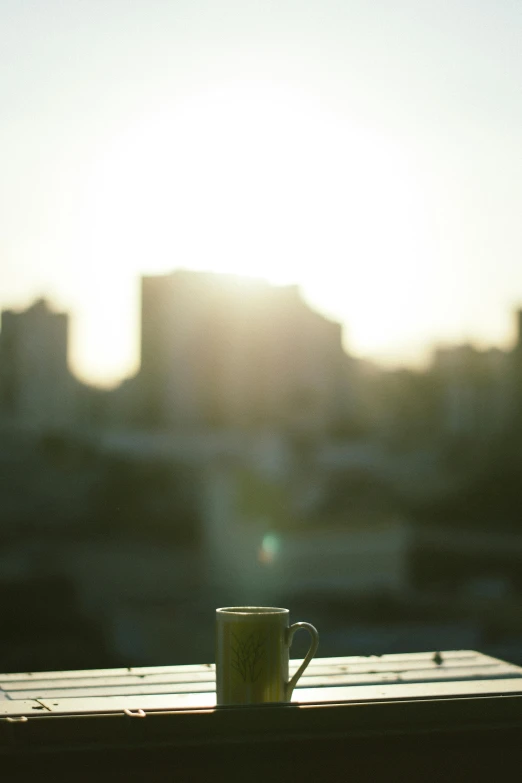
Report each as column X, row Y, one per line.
column 414, row 676
column 424, row 716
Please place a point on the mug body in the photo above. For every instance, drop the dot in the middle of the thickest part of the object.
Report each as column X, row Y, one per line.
column 251, row 654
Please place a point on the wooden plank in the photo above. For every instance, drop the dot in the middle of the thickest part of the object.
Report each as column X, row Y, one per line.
column 428, row 690
column 456, row 674
column 14, row 676
column 74, row 674
column 204, row 672
column 422, row 670
column 462, row 673
column 416, row 670
column 177, row 701
column 447, row 674
column 26, row 707
column 208, row 674
column 349, row 660
column 394, row 657
column 105, row 682
column 122, row 690
column 378, row 660
column 372, row 665
column 94, row 673
column 303, row 696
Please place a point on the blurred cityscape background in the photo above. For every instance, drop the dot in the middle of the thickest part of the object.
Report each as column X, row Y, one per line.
column 253, row 460
column 259, row 341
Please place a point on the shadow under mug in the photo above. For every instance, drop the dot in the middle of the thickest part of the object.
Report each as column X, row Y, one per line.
column 252, row 654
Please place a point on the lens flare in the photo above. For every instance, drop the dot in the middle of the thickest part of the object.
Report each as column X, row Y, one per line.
column 269, row 549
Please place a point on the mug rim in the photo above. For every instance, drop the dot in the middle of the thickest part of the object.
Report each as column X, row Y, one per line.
column 251, row 611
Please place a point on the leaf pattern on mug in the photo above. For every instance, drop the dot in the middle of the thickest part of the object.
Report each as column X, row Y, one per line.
column 247, row 655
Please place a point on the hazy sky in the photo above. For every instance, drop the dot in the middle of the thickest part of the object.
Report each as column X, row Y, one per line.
column 370, row 150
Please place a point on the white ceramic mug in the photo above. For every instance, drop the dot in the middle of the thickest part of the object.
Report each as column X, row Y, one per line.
column 252, row 654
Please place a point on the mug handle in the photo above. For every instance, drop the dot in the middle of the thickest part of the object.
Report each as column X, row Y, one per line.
column 314, row 644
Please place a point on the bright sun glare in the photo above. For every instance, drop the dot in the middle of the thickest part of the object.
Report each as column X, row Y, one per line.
column 254, row 181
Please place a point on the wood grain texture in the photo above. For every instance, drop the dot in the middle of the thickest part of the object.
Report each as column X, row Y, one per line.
column 453, row 674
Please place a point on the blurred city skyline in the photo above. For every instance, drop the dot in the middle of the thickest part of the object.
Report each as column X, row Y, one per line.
column 367, row 152
column 243, row 289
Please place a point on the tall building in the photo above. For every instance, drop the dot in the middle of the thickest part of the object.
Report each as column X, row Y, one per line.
column 178, row 323
column 476, row 390
column 217, row 349
column 36, row 387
